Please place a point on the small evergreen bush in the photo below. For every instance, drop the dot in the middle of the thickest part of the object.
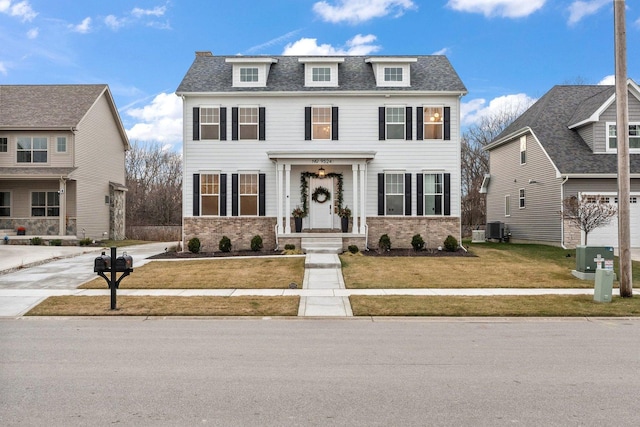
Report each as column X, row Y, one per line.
column 289, row 247
column 194, row 245
column 36, row 241
column 384, row 243
column 256, row 243
column 55, row 242
column 353, row 249
column 450, row 243
column 85, row 242
column 225, row 244
column 417, row 242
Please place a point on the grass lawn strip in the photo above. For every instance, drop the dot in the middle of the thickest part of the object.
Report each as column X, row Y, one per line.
column 499, row 306
column 168, row 306
column 254, row 273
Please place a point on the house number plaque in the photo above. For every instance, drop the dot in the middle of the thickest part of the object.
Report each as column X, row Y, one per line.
column 324, row 161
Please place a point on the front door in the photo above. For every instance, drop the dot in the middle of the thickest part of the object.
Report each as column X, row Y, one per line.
column 321, row 209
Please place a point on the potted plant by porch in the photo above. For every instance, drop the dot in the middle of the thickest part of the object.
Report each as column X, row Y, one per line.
column 345, row 214
column 21, row 231
column 298, row 214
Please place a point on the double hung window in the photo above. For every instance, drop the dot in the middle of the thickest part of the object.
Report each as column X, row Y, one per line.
column 5, row 203
column 4, row 145
column 45, row 203
column 248, row 194
column 433, row 191
column 321, row 123
column 210, row 194
column 394, row 193
column 634, row 136
column 248, row 122
column 32, row 149
column 433, row 122
column 395, row 122
column 209, row 123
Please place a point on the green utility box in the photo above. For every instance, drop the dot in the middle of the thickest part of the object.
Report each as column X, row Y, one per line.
column 588, row 258
column 604, row 285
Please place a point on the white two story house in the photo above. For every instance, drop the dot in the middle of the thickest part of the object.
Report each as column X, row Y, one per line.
column 269, row 137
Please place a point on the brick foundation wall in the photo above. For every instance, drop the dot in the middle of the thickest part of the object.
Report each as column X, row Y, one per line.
column 240, row 230
column 401, row 230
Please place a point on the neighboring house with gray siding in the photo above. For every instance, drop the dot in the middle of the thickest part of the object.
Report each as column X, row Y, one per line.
column 564, row 145
column 264, row 135
column 62, row 162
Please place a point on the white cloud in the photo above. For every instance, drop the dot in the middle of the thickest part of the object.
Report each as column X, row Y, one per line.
column 113, row 22
column 502, row 8
column 160, row 121
column 355, row 11
column 579, row 9
column 156, row 11
column 471, row 112
column 83, row 27
column 608, row 80
column 22, row 10
column 443, row 51
column 3, row 69
column 358, row 45
column 33, row 33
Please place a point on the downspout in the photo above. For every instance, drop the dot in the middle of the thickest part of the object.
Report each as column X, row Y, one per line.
column 566, row 178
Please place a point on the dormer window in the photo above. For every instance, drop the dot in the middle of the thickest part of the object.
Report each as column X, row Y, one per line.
column 392, row 71
column 321, row 71
column 393, row 74
column 249, row 74
column 250, row 71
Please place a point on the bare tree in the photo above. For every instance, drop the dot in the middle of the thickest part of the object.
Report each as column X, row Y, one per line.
column 154, row 179
column 588, row 212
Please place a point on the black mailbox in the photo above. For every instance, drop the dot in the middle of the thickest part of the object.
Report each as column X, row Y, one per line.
column 124, row 263
column 102, row 263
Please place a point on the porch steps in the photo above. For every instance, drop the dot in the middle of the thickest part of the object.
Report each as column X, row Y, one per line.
column 321, row 245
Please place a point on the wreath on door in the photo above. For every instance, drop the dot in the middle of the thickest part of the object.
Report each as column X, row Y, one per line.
column 321, row 195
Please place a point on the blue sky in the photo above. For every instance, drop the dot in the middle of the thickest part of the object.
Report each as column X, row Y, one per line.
column 506, row 51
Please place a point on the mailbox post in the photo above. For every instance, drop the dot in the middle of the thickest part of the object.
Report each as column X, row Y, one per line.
column 110, row 264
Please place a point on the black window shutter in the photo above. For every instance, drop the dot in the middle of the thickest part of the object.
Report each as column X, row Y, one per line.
column 307, row 123
column 381, row 194
column 419, row 194
column 447, row 123
column 234, row 123
column 223, row 123
column 419, row 123
column 334, row 123
column 196, row 194
column 408, row 124
column 407, row 194
column 447, row 194
column 261, row 123
column 234, row 194
column 196, row 123
column 381, row 123
column 223, row 194
column 261, row 194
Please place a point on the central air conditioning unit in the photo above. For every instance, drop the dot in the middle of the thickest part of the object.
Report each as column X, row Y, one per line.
column 495, row 230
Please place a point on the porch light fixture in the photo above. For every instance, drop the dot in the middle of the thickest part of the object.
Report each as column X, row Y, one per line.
column 321, row 172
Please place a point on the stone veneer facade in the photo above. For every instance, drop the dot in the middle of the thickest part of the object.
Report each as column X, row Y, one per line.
column 116, row 214
column 240, row 231
column 572, row 234
column 38, row 226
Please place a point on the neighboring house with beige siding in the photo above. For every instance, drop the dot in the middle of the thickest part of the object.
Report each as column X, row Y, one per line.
column 62, row 162
column 264, row 135
column 562, row 146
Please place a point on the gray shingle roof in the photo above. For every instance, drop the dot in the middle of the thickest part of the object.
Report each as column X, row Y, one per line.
column 213, row 74
column 46, row 106
column 550, row 118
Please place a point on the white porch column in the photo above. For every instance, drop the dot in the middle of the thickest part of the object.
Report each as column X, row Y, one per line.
column 279, row 172
column 287, row 192
column 363, row 197
column 62, row 192
column 354, row 210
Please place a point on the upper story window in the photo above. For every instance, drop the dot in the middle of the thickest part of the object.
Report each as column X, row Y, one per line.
column 248, row 122
column 394, row 193
column 32, row 149
column 210, row 194
column 523, row 150
column 395, row 122
column 433, row 122
column 634, row 137
column 209, row 123
column 249, row 74
column 321, row 74
column 321, row 123
column 393, row 74
column 4, row 145
column 61, row 144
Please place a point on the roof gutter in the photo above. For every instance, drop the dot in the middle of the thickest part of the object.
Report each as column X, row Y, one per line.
column 507, row 138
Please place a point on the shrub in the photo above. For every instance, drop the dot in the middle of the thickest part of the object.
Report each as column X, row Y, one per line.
column 55, row 242
column 384, row 243
column 225, row 244
column 450, row 243
column 85, row 242
column 256, row 243
column 194, row 245
column 417, row 242
column 353, row 249
column 289, row 247
column 36, row 241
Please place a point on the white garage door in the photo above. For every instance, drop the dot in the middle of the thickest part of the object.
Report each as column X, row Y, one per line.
column 608, row 234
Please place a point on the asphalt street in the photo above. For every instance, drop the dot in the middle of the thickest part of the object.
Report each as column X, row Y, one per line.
column 304, row 372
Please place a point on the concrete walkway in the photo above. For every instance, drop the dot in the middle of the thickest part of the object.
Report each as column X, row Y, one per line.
column 322, row 278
